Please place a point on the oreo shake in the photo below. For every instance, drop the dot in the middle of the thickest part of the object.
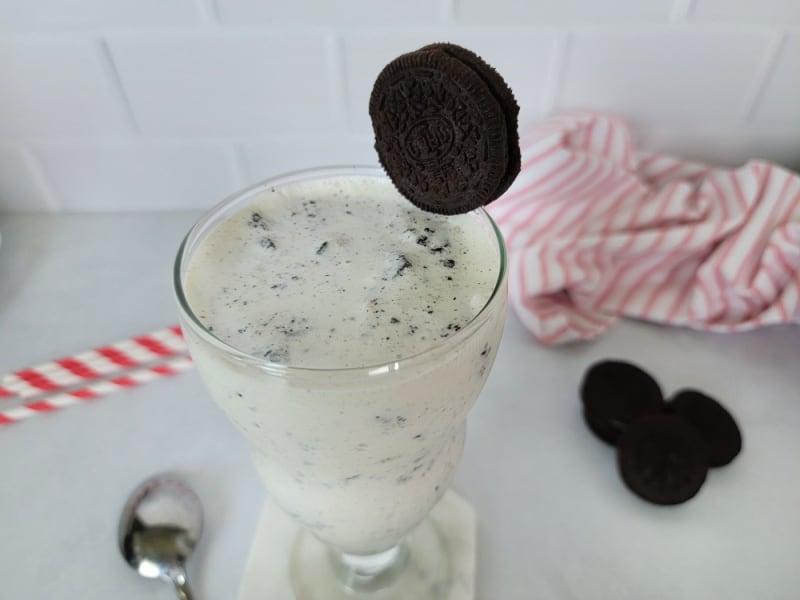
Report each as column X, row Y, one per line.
column 363, row 329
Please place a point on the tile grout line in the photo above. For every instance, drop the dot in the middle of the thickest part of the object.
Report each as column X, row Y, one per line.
column 562, row 45
column 767, row 68
column 448, row 11
column 119, row 88
column 34, row 164
column 238, row 164
column 209, row 11
column 681, row 11
column 337, row 80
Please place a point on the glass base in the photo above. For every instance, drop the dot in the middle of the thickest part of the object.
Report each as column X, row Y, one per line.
column 418, row 569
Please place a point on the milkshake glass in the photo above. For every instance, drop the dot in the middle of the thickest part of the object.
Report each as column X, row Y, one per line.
column 350, row 369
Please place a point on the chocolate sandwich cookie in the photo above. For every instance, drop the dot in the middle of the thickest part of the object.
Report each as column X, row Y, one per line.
column 503, row 94
column 713, row 422
column 662, row 459
column 615, row 394
column 445, row 128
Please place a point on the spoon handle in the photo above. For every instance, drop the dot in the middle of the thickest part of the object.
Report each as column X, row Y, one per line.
column 182, row 586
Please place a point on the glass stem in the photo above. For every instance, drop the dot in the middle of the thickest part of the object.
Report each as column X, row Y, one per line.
column 369, row 572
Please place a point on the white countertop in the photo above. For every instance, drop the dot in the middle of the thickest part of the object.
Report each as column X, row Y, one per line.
column 555, row 521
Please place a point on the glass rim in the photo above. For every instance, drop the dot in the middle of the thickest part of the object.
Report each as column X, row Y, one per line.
column 298, row 176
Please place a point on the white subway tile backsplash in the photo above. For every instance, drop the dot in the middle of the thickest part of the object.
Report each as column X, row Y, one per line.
column 664, row 76
column 59, row 15
column 267, row 158
column 780, row 99
column 746, row 11
column 20, row 188
column 515, row 12
column 138, row 175
column 340, row 12
column 523, row 57
column 55, row 87
column 226, row 83
column 151, row 104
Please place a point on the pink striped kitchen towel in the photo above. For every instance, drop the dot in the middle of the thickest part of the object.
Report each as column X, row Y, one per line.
column 597, row 230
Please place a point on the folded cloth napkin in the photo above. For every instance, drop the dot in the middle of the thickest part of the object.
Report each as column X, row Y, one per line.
column 597, row 230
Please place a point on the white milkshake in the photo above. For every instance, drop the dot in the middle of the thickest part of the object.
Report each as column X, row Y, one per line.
column 357, row 331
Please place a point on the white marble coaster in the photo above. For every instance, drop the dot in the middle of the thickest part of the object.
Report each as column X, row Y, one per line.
column 267, row 571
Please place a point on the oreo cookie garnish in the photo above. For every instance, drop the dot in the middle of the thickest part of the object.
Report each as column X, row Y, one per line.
column 713, row 422
column 445, row 128
column 615, row 394
column 662, row 459
column 502, row 94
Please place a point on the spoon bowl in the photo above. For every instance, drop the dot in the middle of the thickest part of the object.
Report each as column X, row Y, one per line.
column 159, row 528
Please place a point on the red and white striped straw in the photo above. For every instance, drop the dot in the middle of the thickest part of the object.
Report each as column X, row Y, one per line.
column 51, row 377
column 94, row 390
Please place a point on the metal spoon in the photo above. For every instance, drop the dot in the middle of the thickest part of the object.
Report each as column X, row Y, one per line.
column 158, row 529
